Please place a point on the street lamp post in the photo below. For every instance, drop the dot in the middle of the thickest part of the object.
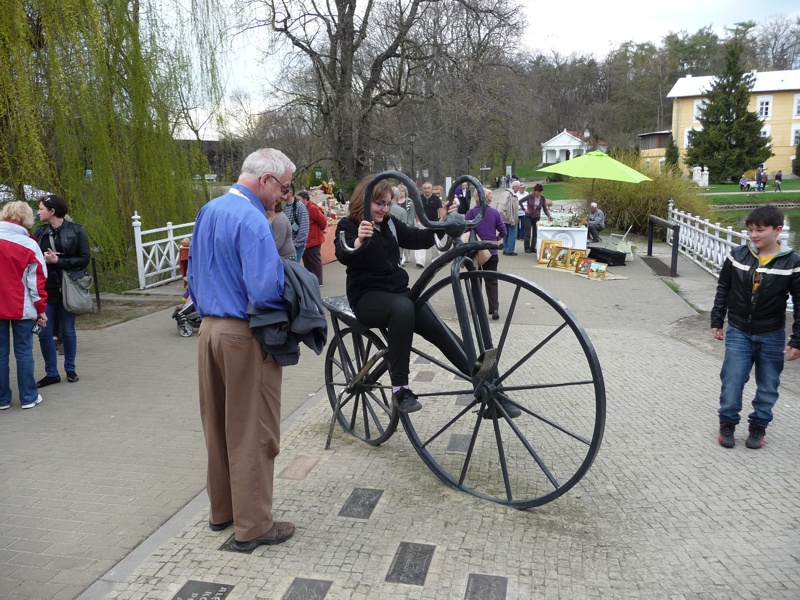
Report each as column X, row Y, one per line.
column 413, row 138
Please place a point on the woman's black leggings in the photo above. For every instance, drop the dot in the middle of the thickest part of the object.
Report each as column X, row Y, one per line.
column 395, row 312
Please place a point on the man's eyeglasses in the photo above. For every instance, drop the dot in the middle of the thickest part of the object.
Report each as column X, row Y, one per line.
column 284, row 189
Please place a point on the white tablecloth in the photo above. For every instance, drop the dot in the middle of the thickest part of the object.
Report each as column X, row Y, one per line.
column 572, row 237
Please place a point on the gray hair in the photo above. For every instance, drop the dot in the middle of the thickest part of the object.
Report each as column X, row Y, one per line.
column 19, row 212
column 267, row 160
column 593, row 205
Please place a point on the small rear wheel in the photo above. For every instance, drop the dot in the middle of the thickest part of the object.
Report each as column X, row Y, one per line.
column 185, row 329
column 357, row 382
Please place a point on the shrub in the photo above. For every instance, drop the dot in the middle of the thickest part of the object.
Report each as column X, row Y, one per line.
column 626, row 204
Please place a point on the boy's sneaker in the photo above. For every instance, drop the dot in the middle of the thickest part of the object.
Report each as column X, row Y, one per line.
column 756, row 438
column 726, row 435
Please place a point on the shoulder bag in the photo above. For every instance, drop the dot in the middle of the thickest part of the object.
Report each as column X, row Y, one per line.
column 75, row 288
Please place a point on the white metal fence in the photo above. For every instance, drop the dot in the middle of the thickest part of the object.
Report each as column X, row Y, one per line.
column 704, row 243
column 158, row 258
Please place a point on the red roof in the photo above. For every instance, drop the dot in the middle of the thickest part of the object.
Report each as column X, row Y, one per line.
column 580, row 136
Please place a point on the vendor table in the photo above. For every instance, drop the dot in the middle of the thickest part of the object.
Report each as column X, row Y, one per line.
column 572, row 237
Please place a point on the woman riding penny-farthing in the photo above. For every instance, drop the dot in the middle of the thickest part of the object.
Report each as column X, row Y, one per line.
column 512, row 410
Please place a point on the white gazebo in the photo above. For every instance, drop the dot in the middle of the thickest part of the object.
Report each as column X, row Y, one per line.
column 570, row 144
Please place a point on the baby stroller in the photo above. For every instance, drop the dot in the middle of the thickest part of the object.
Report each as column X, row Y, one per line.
column 187, row 318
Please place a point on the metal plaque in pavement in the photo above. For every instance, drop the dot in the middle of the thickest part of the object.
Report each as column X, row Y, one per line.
column 307, row 589
column 411, row 563
column 486, row 587
column 361, row 503
column 459, row 442
column 202, row 590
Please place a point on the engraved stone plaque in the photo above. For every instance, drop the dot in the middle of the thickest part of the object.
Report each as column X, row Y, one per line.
column 464, row 400
column 486, row 587
column 202, row 589
column 307, row 589
column 424, row 376
column 411, row 563
column 299, row 467
column 361, row 503
column 459, row 442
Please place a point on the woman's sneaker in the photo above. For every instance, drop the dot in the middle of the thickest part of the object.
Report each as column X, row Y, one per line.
column 34, row 403
column 406, row 401
column 726, row 435
column 756, row 438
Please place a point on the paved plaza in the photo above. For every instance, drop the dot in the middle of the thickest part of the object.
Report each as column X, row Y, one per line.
column 102, row 484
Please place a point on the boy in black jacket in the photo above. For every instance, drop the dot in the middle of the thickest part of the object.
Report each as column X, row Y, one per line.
column 754, row 284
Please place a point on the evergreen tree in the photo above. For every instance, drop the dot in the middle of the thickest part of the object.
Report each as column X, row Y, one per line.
column 730, row 141
column 671, row 155
column 796, row 163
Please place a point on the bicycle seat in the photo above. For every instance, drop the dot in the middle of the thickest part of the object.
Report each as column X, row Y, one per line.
column 339, row 307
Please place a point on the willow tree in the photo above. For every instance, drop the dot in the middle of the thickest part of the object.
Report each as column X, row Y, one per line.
column 88, row 107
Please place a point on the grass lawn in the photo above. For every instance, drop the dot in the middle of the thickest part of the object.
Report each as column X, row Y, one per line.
column 748, row 197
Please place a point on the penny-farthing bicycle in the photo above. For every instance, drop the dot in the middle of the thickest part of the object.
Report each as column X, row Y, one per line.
column 536, row 357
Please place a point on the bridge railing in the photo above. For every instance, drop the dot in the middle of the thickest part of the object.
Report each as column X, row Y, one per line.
column 158, row 251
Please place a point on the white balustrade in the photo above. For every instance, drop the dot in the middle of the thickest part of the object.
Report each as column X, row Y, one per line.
column 158, row 259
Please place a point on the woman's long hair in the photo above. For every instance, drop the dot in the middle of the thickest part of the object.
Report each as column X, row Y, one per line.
column 381, row 188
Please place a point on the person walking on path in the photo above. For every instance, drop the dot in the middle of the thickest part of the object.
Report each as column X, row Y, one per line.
column 490, row 228
column 755, row 282
column 298, row 217
column 23, row 273
column 317, row 222
column 533, row 205
column 508, row 207
column 233, row 263
column 65, row 246
column 403, row 211
column 778, row 180
column 434, row 209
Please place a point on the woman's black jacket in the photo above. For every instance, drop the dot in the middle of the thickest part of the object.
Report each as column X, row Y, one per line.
column 73, row 244
column 377, row 267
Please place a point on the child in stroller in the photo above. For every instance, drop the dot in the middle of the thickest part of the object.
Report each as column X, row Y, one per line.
column 185, row 315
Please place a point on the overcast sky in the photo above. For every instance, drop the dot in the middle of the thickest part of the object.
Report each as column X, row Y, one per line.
column 595, row 26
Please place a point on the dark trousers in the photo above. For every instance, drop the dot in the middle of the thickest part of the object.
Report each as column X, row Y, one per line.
column 491, row 284
column 312, row 260
column 395, row 312
column 593, row 231
column 530, row 233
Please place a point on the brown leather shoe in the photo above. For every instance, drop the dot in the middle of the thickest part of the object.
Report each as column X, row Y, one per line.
column 277, row 534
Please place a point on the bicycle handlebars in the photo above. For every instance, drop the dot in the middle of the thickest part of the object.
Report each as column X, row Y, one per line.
column 453, row 225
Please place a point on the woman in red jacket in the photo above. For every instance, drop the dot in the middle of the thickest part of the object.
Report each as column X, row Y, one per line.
column 317, row 222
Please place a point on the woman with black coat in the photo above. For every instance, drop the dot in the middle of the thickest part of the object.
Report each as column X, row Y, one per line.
column 65, row 246
column 377, row 286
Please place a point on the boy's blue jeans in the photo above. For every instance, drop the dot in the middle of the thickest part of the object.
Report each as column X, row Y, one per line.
column 742, row 351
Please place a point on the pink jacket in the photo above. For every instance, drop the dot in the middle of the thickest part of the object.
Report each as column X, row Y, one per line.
column 22, row 274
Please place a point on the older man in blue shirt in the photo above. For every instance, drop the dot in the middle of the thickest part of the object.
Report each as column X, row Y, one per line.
column 233, row 261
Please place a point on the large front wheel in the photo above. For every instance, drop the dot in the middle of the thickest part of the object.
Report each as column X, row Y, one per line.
column 535, row 362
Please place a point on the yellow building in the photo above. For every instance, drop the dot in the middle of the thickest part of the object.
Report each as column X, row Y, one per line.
column 653, row 146
column 775, row 97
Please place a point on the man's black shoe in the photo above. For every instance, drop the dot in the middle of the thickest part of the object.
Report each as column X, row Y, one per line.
column 72, row 376
column 495, row 315
column 726, row 439
column 512, row 254
column 277, row 534
column 45, row 381
column 490, row 412
column 528, row 251
column 219, row 526
column 406, row 401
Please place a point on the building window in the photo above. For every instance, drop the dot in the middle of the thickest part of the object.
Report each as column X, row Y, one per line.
column 686, row 143
column 764, row 106
column 795, row 135
column 765, row 131
column 796, row 105
column 698, row 109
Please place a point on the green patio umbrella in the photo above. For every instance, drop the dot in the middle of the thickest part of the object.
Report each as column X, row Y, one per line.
column 596, row 165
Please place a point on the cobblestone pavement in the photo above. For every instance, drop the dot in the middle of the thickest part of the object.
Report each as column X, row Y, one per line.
column 106, row 464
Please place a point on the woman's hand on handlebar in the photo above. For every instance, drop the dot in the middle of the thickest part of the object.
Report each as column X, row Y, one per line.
column 365, row 230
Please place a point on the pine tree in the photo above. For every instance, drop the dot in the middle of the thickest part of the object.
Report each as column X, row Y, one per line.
column 730, row 141
column 796, row 163
column 671, row 155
